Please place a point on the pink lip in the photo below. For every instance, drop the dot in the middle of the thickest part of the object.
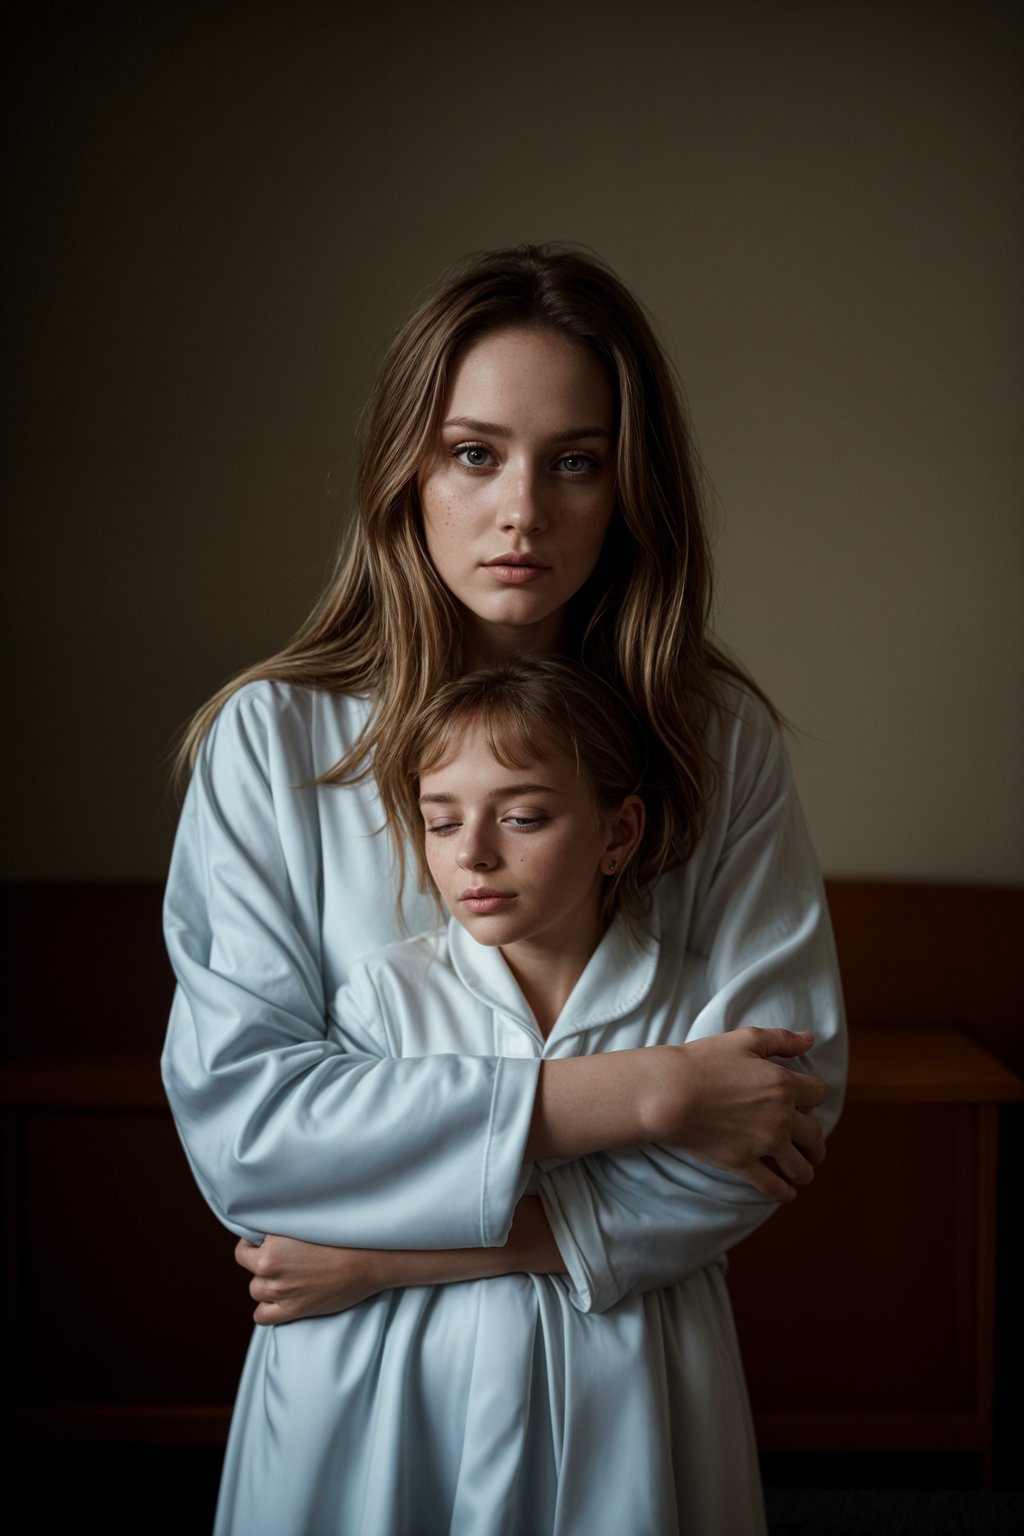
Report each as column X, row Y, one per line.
column 483, row 899
column 516, row 569
column 511, row 558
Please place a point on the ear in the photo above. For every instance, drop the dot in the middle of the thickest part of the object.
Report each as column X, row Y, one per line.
column 625, row 829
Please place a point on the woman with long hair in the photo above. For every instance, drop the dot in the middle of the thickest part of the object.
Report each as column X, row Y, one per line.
column 526, row 486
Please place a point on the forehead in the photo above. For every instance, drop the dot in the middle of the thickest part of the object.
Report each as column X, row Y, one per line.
column 476, row 757
column 540, row 375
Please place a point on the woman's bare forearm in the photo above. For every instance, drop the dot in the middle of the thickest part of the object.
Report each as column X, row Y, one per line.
column 591, row 1104
column 293, row 1280
column 530, row 1249
column 719, row 1098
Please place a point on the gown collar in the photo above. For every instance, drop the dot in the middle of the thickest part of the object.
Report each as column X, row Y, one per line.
column 617, row 978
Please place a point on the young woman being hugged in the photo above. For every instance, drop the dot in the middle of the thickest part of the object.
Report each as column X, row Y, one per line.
column 526, row 487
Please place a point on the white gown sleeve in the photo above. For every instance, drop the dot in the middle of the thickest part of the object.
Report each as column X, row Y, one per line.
column 286, row 1131
column 647, row 1217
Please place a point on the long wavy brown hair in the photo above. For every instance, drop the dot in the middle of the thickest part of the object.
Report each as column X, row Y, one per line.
column 386, row 626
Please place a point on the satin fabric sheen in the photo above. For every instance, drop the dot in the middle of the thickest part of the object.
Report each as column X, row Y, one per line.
column 609, row 1402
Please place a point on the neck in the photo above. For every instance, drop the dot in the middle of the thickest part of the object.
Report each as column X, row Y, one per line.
column 546, row 974
column 489, row 645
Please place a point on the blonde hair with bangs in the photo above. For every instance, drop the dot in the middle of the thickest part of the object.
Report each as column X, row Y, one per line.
column 387, row 628
column 529, row 708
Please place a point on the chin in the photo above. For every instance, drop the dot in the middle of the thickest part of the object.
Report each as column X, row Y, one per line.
column 482, row 937
column 515, row 608
column 523, row 616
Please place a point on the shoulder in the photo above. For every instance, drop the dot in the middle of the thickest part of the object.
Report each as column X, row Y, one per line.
column 283, row 730
column 742, row 737
column 750, row 782
column 275, row 708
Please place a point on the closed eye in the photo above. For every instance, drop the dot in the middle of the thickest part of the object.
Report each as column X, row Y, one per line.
column 443, row 828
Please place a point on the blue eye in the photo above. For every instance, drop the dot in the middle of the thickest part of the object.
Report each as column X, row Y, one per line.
column 577, row 463
column 473, row 455
column 526, row 823
column 443, row 828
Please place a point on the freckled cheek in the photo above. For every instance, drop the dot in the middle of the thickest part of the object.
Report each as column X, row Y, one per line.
column 548, row 868
column 437, row 499
column 436, row 506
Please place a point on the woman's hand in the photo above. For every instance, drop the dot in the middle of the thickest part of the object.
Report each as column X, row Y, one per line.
column 722, row 1100
column 718, row 1098
column 291, row 1280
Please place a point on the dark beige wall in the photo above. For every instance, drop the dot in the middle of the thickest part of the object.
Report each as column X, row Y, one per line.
column 223, row 212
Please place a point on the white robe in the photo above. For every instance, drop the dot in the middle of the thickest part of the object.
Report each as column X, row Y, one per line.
column 606, row 1403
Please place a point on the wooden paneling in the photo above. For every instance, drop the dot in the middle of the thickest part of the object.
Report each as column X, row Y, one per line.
column 872, row 1272
column 158, row 1312
column 885, row 1268
column 933, row 956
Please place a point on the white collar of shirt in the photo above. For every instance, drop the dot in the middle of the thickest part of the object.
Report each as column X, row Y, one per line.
column 617, row 979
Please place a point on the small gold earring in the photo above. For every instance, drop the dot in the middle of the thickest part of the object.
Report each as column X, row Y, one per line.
column 613, row 865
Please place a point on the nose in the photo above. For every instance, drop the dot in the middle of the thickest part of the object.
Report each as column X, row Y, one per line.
column 524, row 507
column 474, row 851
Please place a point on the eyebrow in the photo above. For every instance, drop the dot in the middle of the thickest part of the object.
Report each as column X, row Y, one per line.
column 495, row 429
column 494, row 794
